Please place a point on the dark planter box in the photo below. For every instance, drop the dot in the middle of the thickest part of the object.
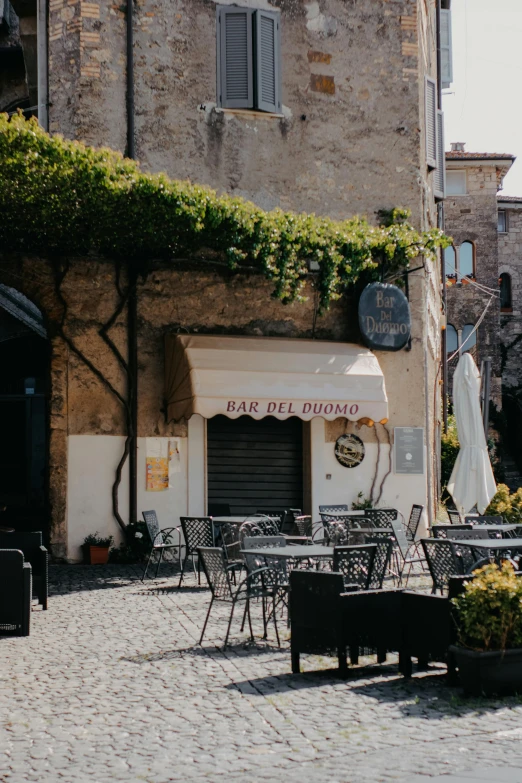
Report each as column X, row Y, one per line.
column 489, row 673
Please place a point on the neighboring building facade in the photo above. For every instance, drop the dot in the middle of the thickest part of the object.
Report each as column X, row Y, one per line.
column 472, row 262
column 345, row 123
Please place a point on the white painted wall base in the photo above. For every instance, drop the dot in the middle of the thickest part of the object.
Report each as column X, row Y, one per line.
column 91, row 469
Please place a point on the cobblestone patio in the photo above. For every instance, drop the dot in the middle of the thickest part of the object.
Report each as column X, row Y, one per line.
column 112, row 685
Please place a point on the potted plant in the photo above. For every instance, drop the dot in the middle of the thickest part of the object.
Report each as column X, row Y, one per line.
column 96, row 549
column 489, row 621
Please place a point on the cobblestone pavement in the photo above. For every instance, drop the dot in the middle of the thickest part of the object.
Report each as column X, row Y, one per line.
column 112, row 685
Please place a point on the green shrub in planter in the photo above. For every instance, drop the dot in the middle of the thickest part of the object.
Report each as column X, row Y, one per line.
column 489, row 618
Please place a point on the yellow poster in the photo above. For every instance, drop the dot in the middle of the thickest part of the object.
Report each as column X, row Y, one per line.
column 157, row 464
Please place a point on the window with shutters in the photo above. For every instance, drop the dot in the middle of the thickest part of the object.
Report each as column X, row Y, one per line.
column 439, row 175
column 446, row 56
column 248, row 59
column 431, row 122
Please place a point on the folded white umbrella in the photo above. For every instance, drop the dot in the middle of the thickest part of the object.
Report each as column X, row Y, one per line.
column 472, row 480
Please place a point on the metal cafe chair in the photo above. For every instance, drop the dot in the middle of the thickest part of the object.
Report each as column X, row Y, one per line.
column 485, row 520
column 443, row 561
column 454, row 516
column 355, row 563
column 456, row 532
column 382, row 559
column 197, row 532
column 336, row 530
column 402, row 552
column 381, row 517
column 257, row 584
column 339, row 508
column 442, row 531
column 160, row 540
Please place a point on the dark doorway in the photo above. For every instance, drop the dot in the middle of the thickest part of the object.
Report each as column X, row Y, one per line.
column 24, row 363
column 255, row 465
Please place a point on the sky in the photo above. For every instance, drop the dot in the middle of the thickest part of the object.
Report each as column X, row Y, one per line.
column 483, row 106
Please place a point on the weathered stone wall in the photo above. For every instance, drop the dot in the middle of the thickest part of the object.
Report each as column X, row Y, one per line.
column 510, row 261
column 473, row 218
column 353, row 95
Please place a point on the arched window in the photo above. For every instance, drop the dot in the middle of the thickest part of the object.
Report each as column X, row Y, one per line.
column 451, row 339
column 506, row 303
column 450, row 261
column 466, row 260
column 467, row 346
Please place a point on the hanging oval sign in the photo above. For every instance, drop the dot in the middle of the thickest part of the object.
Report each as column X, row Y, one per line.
column 384, row 317
column 349, row 450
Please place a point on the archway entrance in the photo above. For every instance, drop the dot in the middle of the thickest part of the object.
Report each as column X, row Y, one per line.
column 24, row 379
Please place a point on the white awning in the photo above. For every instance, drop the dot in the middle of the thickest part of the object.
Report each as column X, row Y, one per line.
column 270, row 376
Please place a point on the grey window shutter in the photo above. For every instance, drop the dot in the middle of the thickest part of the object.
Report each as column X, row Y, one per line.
column 268, row 61
column 439, row 175
column 235, row 58
column 431, row 122
column 446, row 54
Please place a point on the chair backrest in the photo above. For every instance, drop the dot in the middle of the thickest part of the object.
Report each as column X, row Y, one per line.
column 355, row 563
column 400, row 536
column 340, row 507
column 336, row 530
column 198, row 532
column 485, row 520
column 454, row 516
column 381, row 517
column 443, row 531
column 269, row 526
column 249, row 529
column 381, row 561
column 274, row 516
column 304, row 525
column 151, row 520
column 413, row 522
column 457, row 532
column 230, row 542
column 442, row 560
column 219, row 510
column 263, row 542
column 215, row 568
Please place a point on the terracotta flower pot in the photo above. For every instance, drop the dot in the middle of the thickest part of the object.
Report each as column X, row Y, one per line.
column 96, row 555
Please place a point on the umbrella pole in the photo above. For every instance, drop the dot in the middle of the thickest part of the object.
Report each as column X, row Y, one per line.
column 486, row 384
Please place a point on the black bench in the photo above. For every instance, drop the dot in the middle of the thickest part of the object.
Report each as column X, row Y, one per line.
column 15, row 593
column 324, row 618
column 34, row 553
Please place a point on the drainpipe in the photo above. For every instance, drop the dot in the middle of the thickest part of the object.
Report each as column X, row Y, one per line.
column 130, row 80
column 42, row 64
column 132, row 308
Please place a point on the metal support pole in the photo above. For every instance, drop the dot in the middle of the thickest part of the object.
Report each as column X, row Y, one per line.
column 132, row 336
column 486, row 391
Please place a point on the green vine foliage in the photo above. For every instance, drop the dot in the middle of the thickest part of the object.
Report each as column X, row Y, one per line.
column 60, row 197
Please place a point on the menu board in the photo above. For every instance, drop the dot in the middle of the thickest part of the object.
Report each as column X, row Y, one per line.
column 409, row 450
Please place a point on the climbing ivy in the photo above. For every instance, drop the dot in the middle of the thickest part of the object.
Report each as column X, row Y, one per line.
column 60, row 197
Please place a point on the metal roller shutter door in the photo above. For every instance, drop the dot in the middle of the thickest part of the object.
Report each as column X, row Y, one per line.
column 253, row 464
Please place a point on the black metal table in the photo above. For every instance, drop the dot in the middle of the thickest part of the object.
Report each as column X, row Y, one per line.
column 495, row 545
column 504, row 530
column 297, row 552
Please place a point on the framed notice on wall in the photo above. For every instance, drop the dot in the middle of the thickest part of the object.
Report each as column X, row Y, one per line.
column 408, row 450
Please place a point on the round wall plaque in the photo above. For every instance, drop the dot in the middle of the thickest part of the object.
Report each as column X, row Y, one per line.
column 384, row 317
column 349, row 450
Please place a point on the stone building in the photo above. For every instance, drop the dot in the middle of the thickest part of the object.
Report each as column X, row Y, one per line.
column 473, row 180
column 343, row 122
